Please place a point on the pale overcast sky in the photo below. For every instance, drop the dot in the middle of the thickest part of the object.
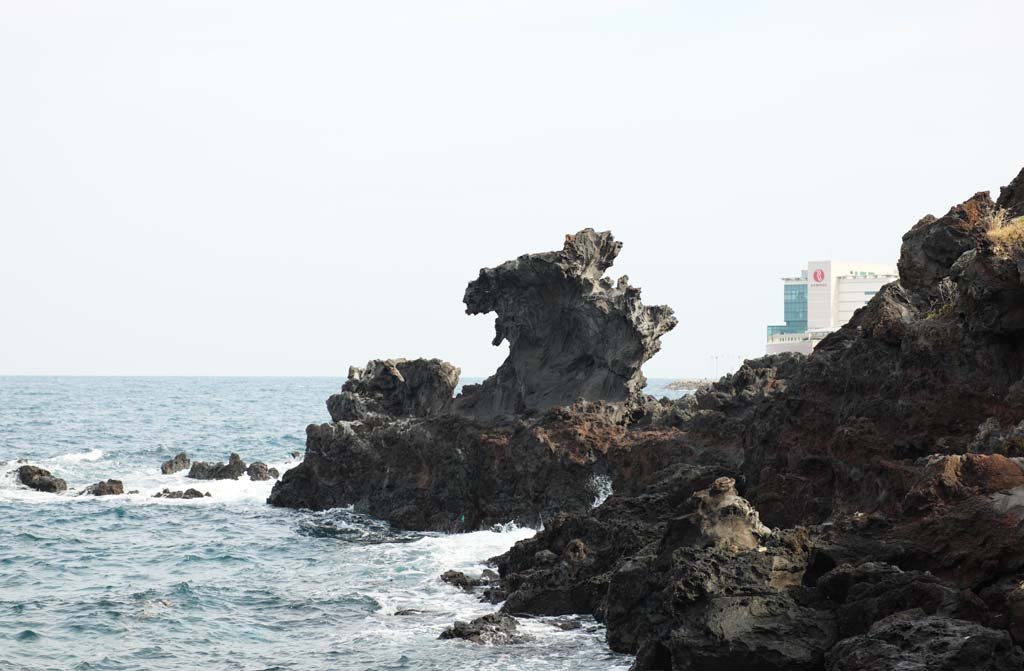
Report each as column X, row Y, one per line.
column 287, row 188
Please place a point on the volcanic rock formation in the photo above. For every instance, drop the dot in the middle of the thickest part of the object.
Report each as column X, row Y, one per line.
column 105, row 488
column 202, row 470
column 187, row 494
column 178, row 462
column 860, row 508
column 572, row 333
column 884, row 460
column 395, row 388
column 258, row 470
column 399, row 448
column 41, row 479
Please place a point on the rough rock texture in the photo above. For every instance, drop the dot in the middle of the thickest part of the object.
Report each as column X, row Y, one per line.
column 396, row 388
column 202, row 470
column 178, row 462
column 258, row 470
column 490, row 629
column 444, row 473
column 887, row 463
column 41, row 480
column 572, row 333
column 105, row 488
column 913, row 641
column 460, row 580
column 860, row 508
column 187, row 494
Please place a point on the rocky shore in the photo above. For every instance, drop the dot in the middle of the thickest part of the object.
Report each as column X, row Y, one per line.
column 860, row 508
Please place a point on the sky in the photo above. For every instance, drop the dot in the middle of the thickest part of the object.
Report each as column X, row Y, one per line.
column 290, row 188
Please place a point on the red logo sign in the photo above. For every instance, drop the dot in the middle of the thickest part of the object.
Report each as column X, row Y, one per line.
column 819, row 275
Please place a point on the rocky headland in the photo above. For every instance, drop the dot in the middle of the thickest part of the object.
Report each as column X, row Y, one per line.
column 860, row 508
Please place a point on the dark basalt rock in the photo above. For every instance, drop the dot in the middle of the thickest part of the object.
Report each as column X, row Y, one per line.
column 41, row 480
column 446, row 473
column 906, row 559
column 490, row 629
column 187, row 494
column 105, row 488
column 859, row 508
column 913, row 641
column 232, row 470
column 258, row 470
column 178, row 462
column 460, row 580
column 572, row 333
column 396, row 388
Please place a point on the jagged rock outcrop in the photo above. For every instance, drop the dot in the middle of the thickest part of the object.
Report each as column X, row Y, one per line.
column 202, row 470
column 444, row 473
column 573, row 334
column 914, row 373
column 396, row 388
column 490, row 629
column 178, row 462
column 913, row 641
column 258, row 470
column 41, row 480
column 189, row 493
column 399, row 448
column 105, row 488
column 886, row 462
column 859, row 508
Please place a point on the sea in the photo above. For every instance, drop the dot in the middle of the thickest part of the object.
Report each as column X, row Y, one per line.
column 224, row 582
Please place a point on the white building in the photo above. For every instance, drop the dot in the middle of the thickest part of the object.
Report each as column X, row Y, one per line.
column 822, row 299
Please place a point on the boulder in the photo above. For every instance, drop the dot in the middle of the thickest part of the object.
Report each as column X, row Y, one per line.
column 490, row 629
column 105, row 488
column 41, row 480
column 233, row 470
column 460, row 580
column 187, row 494
column 178, row 462
column 258, row 470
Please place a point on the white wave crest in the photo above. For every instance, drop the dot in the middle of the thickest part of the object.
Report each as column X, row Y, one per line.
column 603, row 487
column 94, row 454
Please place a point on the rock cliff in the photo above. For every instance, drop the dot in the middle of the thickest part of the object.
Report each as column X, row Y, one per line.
column 862, row 507
column 885, row 463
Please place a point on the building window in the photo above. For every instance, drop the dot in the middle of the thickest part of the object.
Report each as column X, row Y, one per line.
column 794, row 303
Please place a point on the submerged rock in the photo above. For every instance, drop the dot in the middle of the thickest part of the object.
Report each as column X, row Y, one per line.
column 41, row 480
column 573, row 334
column 258, row 470
column 178, row 462
column 490, row 629
column 460, row 580
column 105, row 488
column 233, row 470
column 187, row 494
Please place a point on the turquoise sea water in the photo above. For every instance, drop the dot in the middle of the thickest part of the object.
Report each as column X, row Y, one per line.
column 225, row 582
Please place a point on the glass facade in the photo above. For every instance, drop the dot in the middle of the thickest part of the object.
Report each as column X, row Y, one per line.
column 794, row 310
column 794, row 302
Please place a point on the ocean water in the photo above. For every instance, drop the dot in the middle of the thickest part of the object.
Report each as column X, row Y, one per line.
column 226, row 582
